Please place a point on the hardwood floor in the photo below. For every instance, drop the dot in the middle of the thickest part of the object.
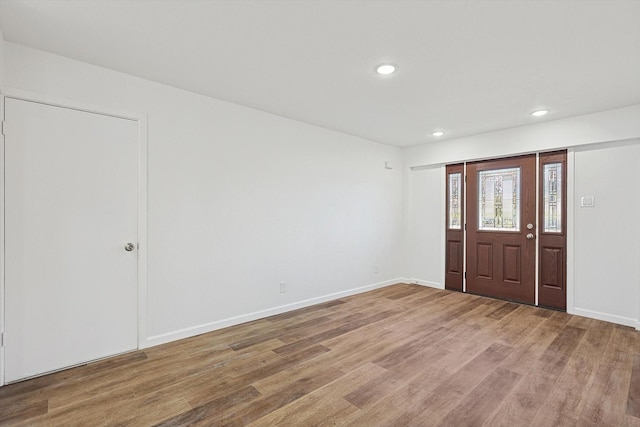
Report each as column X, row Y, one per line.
column 404, row 355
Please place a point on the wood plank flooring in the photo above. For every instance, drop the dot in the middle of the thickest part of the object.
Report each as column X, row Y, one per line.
column 404, row 355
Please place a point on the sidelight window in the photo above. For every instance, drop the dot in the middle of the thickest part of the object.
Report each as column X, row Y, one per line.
column 552, row 192
column 455, row 201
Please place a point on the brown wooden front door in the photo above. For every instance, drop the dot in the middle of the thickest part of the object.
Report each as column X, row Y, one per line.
column 501, row 228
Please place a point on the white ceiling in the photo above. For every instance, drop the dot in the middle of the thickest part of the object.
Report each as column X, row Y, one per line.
column 465, row 66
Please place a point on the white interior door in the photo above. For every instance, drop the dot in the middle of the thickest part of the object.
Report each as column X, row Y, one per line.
column 70, row 208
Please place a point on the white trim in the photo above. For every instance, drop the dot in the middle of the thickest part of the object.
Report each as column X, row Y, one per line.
column 464, row 229
column 571, row 180
column 444, row 182
column 620, row 320
column 243, row 318
column 536, row 232
column 142, row 230
column 141, row 204
column 426, row 283
column 70, row 104
column 2, row 305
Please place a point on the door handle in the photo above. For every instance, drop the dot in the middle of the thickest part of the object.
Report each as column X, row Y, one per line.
column 530, row 236
column 129, row 247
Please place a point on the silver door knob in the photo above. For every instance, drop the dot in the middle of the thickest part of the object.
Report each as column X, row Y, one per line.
column 129, row 247
column 529, row 226
column 530, row 236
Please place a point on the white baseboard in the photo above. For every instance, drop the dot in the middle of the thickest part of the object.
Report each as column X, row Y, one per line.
column 423, row 283
column 236, row 320
column 620, row 320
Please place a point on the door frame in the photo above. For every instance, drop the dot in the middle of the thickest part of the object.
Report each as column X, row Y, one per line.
column 142, row 253
column 569, row 218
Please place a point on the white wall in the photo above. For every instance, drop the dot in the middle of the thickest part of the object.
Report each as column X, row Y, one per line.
column 606, row 237
column 2, row 43
column 240, row 200
column 424, row 225
column 612, row 125
column 609, row 138
column 1, row 59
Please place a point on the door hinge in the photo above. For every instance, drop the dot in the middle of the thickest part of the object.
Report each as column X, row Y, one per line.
column 2, row 339
column 465, row 274
column 465, row 178
column 3, row 126
column 465, row 227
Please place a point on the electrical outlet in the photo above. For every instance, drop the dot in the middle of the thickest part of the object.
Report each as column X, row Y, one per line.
column 283, row 287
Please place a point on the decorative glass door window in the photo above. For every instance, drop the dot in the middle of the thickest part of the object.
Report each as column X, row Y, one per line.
column 499, row 199
column 455, row 201
column 552, row 198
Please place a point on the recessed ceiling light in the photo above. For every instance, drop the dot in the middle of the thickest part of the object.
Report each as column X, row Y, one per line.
column 386, row 69
column 540, row 113
column 437, row 133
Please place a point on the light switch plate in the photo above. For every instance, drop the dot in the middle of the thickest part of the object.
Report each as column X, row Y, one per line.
column 587, row 201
